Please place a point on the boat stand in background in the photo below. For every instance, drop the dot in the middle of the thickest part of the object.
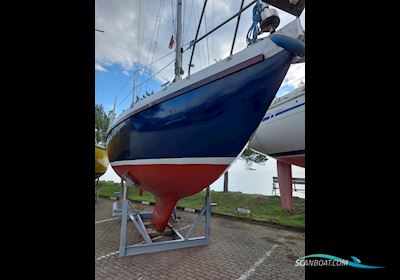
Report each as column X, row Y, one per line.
column 142, row 223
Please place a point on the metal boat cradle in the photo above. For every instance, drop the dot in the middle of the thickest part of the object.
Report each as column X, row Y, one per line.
column 126, row 211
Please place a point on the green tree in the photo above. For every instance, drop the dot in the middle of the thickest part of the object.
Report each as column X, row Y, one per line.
column 250, row 157
column 102, row 120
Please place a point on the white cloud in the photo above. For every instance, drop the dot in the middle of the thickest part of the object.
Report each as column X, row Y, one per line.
column 99, row 68
column 295, row 75
column 122, row 42
column 126, row 73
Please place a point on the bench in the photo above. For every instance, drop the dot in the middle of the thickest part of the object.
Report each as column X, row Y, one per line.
column 295, row 181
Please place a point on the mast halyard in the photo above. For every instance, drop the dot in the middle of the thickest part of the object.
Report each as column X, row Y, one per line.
column 178, row 51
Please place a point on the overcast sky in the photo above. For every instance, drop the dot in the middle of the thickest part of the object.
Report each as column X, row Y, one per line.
column 137, row 32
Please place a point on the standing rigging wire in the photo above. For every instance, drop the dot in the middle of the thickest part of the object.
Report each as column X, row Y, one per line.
column 143, row 74
column 102, row 90
column 155, row 74
column 173, row 17
column 159, row 17
column 204, row 56
column 195, row 16
column 205, row 42
column 184, row 16
column 138, row 61
column 152, row 41
column 183, row 22
column 189, row 15
column 142, row 35
column 138, row 69
column 203, row 53
column 205, row 25
column 150, row 78
column 212, row 24
column 199, row 54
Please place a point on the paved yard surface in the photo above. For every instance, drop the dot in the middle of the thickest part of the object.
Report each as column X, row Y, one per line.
column 238, row 250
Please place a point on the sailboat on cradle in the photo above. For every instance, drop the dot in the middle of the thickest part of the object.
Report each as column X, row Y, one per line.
column 177, row 142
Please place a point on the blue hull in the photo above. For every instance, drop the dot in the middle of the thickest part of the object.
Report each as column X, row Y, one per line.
column 213, row 120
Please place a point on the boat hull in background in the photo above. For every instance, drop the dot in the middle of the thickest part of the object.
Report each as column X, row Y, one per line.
column 281, row 133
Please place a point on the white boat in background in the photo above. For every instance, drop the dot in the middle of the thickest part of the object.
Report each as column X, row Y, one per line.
column 281, row 133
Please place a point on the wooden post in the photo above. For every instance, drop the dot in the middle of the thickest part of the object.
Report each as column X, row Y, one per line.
column 226, row 177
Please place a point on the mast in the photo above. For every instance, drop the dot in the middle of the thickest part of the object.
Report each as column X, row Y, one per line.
column 178, row 52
